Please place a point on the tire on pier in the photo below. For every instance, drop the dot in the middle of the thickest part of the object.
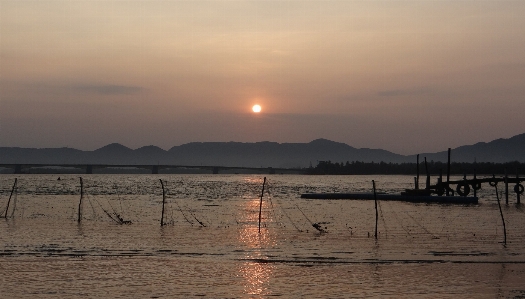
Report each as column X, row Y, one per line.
column 518, row 188
column 463, row 189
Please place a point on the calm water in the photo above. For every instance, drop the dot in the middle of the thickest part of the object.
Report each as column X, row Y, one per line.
column 212, row 248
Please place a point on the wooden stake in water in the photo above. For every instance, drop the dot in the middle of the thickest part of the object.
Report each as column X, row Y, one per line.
column 502, row 219
column 163, row 203
column 375, row 201
column 80, row 202
column 9, row 201
column 260, row 204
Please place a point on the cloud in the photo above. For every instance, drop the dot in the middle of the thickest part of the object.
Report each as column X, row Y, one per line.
column 404, row 92
column 109, row 89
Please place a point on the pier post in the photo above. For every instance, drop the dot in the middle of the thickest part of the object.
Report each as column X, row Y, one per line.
column 448, row 172
column 518, row 199
column 475, row 184
column 440, row 182
column 417, row 172
column 427, row 182
column 89, row 169
column 155, row 169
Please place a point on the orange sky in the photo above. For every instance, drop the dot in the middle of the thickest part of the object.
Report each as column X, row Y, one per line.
column 406, row 76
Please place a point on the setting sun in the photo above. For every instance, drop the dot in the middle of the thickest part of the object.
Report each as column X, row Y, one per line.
column 256, row 108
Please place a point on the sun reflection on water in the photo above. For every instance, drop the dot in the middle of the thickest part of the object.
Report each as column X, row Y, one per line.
column 256, row 278
column 255, row 272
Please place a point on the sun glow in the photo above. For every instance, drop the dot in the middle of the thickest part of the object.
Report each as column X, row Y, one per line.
column 256, row 108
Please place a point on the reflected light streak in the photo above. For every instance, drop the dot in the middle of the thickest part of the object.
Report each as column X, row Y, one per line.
column 257, row 278
column 256, row 275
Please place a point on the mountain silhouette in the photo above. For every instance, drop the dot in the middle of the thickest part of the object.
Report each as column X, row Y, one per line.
column 497, row 151
column 258, row 154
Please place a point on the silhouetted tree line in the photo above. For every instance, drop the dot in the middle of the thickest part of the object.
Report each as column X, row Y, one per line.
column 434, row 168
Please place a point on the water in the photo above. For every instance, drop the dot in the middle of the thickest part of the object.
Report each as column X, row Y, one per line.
column 212, row 247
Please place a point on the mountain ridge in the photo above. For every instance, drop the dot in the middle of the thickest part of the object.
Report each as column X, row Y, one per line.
column 258, row 154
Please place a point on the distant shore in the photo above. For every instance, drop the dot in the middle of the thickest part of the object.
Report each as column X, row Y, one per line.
column 322, row 168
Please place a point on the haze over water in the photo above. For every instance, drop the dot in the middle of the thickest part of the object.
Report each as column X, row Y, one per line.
column 211, row 246
column 405, row 76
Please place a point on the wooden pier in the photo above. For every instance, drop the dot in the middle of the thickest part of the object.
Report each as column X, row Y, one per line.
column 441, row 192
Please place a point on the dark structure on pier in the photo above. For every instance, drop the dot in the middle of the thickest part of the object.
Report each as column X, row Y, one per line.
column 465, row 186
column 444, row 191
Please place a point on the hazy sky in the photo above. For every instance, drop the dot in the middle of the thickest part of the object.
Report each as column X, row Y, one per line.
column 406, row 76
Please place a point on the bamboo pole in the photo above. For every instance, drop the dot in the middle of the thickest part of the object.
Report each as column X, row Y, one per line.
column 80, row 202
column 163, row 203
column 375, row 202
column 260, row 204
column 9, row 201
column 502, row 219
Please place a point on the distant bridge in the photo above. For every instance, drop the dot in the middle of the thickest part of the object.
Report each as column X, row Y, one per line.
column 25, row 168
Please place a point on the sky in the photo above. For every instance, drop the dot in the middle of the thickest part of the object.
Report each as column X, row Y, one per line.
column 406, row 76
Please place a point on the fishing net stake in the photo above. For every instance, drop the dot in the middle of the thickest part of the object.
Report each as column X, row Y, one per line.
column 163, row 203
column 260, row 204
column 9, row 201
column 80, row 202
column 502, row 219
column 375, row 201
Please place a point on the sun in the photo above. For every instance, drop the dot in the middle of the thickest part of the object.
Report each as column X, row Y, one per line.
column 256, row 108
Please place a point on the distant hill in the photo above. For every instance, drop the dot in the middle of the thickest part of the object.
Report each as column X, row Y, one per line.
column 258, row 154
column 497, row 151
column 265, row 154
